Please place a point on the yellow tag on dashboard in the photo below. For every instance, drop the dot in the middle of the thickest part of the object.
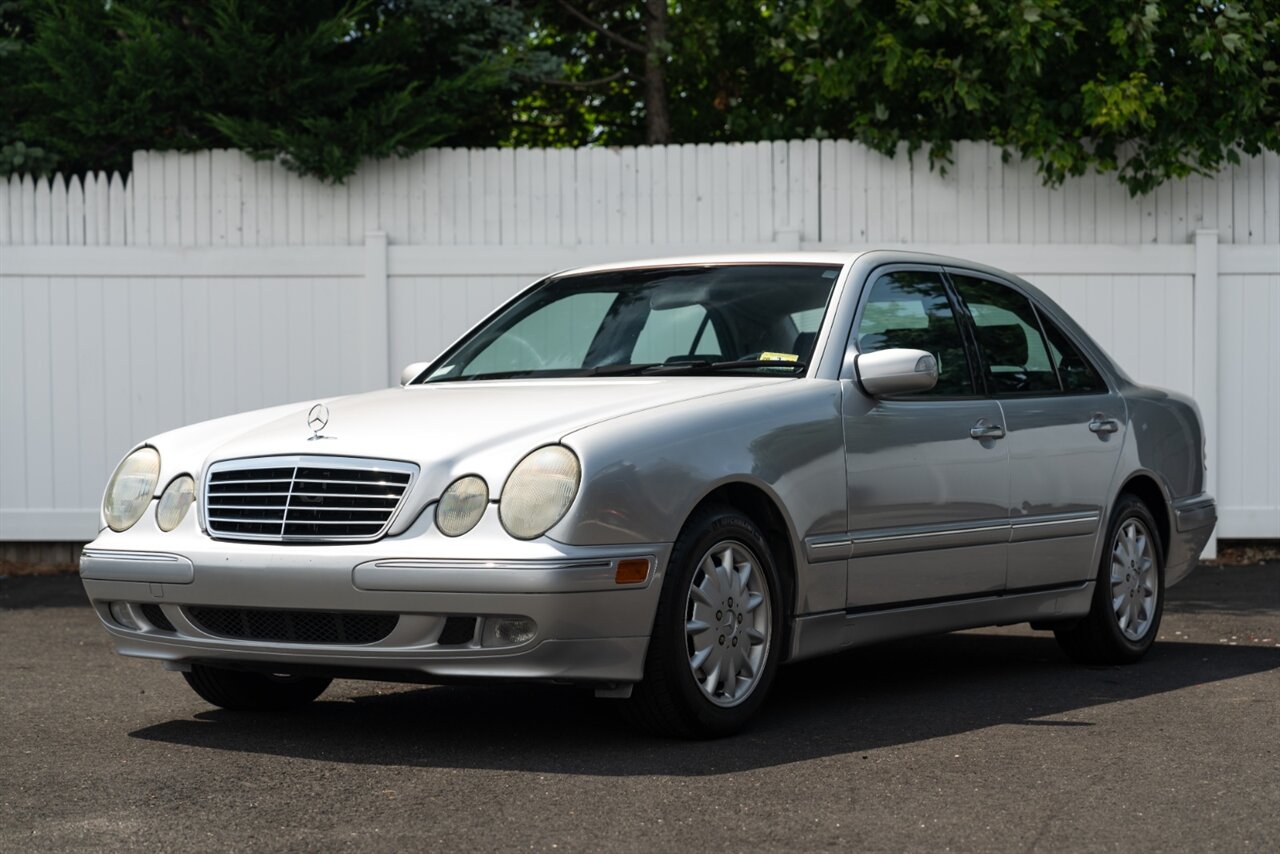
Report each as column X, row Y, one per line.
column 779, row 357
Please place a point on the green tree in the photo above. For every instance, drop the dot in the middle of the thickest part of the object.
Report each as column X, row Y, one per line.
column 653, row 71
column 1152, row 90
column 16, row 32
column 320, row 84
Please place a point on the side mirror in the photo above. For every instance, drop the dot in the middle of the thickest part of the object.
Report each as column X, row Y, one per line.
column 896, row 371
column 411, row 372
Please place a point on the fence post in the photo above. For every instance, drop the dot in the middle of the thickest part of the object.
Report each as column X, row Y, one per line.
column 1204, row 349
column 377, row 306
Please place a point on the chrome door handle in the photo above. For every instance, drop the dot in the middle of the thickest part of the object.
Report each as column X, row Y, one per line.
column 1102, row 424
column 984, row 429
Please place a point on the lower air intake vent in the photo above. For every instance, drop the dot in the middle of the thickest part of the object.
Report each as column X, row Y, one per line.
column 294, row 626
column 457, row 631
column 155, row 616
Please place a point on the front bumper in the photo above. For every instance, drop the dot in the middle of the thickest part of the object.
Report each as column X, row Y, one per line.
column 589, row 628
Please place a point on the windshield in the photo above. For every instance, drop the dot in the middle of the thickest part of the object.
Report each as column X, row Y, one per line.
column 762, row 318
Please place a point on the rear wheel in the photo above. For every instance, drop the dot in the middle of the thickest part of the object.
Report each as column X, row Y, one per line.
column 718, row 631
column 1129, row 597
column 245, row 691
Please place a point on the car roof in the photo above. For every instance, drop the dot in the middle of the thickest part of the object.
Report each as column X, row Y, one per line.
column 840, row 258
column 882, row 255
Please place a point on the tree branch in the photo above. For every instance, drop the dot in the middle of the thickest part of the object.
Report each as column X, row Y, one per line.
column 602, row 30
column 581, row 84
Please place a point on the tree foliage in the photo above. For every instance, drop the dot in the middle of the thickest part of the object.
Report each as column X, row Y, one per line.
column 1151, row 90
column 318, row 83
column 718, row 80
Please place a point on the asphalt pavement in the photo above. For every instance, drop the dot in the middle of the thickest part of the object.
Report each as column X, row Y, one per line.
column 979, row 741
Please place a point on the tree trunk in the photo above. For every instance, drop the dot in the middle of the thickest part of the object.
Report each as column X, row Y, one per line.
column 657, row 114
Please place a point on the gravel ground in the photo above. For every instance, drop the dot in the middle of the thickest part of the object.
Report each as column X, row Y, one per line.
column 984, row 740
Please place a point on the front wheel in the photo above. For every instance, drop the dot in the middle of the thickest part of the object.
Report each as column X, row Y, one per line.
column 1129, row 597
column 717, row 635
column 246, row 691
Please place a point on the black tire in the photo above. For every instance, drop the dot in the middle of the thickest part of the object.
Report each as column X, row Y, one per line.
column 669, row 701
column 246, row 691
column 1098, row 638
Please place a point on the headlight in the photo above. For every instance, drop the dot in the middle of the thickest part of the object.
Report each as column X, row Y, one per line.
column 539, row 491
column 462, row 505
column 130, row 489
column 174, row 501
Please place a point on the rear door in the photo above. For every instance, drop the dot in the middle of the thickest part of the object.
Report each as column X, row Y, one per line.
column 1064, row 431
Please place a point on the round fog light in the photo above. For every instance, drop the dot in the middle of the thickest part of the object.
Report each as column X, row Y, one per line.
column 121, row 614
column 509, row 631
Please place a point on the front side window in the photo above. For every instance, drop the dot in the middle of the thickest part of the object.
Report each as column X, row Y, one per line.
column 673, row 320
column 1014, row 354
column 910, row 309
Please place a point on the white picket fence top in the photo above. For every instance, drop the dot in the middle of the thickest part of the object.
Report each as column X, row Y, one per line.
column 830, row 191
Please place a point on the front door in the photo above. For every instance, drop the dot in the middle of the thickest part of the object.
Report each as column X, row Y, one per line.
column 928, row 480
column 1064, row 431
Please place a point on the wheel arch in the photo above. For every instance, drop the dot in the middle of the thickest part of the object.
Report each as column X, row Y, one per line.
column 764, row 509
column 1147, row 488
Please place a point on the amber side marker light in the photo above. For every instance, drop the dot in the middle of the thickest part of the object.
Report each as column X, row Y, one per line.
column 632, row 571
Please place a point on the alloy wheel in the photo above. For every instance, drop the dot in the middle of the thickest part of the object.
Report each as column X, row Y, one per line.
column 728, row 623
column 1134, row 584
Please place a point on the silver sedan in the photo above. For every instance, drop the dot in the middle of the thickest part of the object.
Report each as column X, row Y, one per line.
column 663, row 480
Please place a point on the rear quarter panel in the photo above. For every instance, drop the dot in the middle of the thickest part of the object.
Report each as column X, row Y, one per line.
column 1166, row 438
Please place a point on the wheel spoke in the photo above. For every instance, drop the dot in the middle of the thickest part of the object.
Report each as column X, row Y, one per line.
column 753, row 602
column 712, row 682
column 754, row 635
column 1120, row 554
column 700, row 658
column 1118, row 563
column 700, row 594
column 724, row 586
column 704, row 639
column 730, row 678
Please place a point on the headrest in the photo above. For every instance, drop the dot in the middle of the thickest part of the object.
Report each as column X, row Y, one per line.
column 1005, row 344
column 804, row 344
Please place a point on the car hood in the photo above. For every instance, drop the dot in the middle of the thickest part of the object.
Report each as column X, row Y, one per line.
column 448, row 429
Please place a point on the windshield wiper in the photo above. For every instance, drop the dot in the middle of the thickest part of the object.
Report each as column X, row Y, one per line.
column 703, row 365
column 552, row 373
column 692, row 366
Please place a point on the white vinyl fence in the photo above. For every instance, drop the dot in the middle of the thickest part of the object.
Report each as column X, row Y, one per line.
column 208, row 283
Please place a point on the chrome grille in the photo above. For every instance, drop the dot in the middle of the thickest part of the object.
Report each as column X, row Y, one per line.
column 304, row 499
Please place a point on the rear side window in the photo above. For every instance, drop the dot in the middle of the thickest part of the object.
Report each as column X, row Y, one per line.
column 1078, row 375
column 911, row 309
column 1014, row 353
